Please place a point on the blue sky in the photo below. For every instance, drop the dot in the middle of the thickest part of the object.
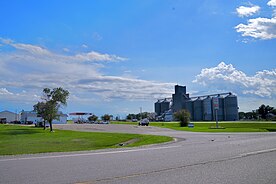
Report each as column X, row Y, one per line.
column 117, row 56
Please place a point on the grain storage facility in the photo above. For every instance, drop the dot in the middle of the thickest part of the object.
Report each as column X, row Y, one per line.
column 200, row 107
column 207, row 108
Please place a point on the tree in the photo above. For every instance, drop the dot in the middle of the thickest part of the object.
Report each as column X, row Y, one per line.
column 241, row 115
column 131, row 116
column 264, row 110
column 52, row 101
column 106, row 117
column 93, row 118
column 183, row 116
column 273, row 111
column 40, row 109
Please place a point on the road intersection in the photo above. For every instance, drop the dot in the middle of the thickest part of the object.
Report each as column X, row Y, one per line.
column 193, row 158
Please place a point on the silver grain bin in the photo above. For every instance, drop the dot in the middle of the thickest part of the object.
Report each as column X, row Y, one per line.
column 189, row 107
column 197, row 106
column 164, row 105
column 221, row 111
column 207, row 109
column 231, row 108
column 157, row 108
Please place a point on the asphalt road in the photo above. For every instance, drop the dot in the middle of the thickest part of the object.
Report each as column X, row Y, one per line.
column 195, row 158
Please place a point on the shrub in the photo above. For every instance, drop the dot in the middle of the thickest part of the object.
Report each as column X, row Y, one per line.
column 183, row 116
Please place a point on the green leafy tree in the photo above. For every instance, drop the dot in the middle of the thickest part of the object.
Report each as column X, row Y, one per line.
column 241, row 115
column 106, row 117
column 52, row 101
column 183, row 116
column 264, row 110
column 273, row 111
column 93, row 118
column 131, row 116
column 40, row 109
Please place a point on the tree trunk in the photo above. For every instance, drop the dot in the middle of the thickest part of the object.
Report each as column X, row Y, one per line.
column 51, row 127
column 44, row 125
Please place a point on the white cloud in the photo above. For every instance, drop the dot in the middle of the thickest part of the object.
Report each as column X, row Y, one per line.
column 31, row 48
column 226, row 77
column 274, row 13
column 243, row 11
column 4, row 91
column 31, row 68
column 42, row 52
column 272, row 3
column 91, row 56
column 84, row 46
column 96, row 36
column 259, row 28
column 65, row 49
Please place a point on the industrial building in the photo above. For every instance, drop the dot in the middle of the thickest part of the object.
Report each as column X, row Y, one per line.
column 200, row 107
column 29, row 117
column 8, row 117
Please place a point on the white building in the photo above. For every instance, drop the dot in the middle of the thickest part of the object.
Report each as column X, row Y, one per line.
column 7, row 116
column 32, row 117
column 29, row 117
column 62, row 119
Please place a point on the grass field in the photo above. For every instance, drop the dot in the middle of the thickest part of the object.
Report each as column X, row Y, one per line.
column 16, row 139
column 244, row 126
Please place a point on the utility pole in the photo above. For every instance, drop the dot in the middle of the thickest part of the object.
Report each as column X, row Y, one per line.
column 141, row 113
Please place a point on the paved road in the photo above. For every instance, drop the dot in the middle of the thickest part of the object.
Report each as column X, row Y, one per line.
column 200, row 158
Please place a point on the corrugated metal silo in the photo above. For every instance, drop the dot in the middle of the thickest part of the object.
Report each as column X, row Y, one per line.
column 164, row 106
column 221, row 112
column 207, row 109
column 197, row 106
column 189, row 107
column 221, row 115
column 231, row 108
column 157, row 108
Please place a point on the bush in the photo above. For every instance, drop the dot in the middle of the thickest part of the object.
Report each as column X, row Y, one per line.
column 183, row 116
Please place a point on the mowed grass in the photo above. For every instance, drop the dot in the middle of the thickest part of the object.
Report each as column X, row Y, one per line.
column 207, row 126
column 16, row 139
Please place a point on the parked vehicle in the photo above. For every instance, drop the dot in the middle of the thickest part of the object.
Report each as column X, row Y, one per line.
column 144, row 122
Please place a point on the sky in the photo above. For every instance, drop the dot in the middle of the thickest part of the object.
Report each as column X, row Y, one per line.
column 116, row 57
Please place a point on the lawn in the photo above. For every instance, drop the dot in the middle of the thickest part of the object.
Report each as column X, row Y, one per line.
column 240, row 126
column 16, row 139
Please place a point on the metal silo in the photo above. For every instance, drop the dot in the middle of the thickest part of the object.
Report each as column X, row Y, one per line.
column 197, row 106
column 231, row 108
column 157, row 107
column 164, row 105
column 189, row 107
column 207, row 109
column 221, row 112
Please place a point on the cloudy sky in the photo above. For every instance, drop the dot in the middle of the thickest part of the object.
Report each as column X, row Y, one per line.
column 117, row 56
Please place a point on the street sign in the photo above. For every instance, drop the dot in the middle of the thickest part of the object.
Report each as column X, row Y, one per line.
column 215, row 103
column 191, row 125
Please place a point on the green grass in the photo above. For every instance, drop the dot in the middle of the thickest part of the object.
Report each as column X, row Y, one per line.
column 16, row 139
column 205, row 126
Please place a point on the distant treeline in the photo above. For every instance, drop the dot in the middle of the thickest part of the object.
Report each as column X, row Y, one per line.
column 264, row 112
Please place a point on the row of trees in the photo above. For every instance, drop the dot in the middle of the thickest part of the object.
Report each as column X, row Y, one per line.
column 105, row 117
column 264, row 112
column 139, row 116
